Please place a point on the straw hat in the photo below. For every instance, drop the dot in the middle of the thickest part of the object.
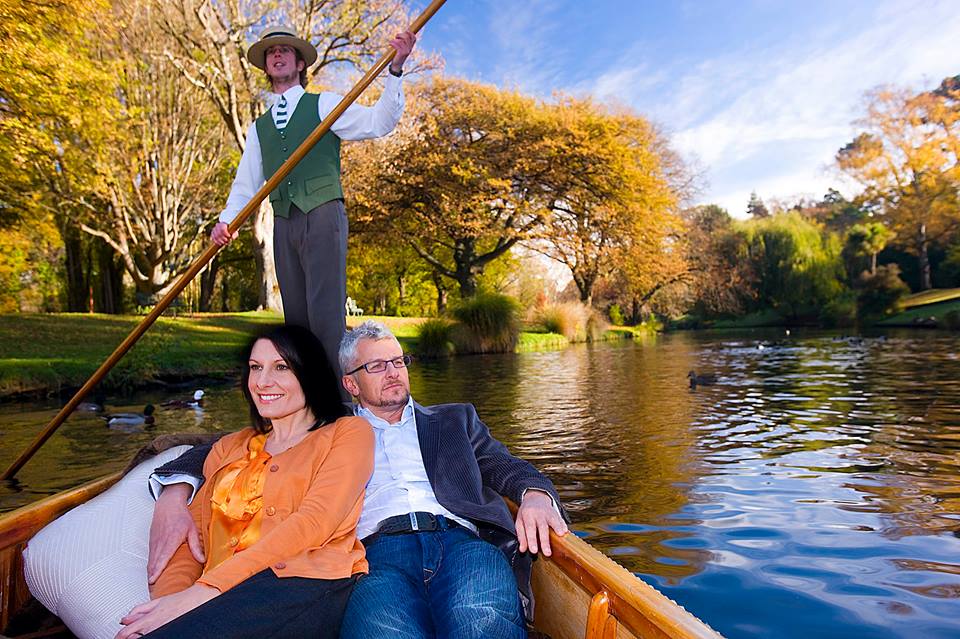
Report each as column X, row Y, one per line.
column 272, row 36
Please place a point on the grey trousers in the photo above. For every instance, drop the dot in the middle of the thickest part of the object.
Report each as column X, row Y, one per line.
column 310, row 250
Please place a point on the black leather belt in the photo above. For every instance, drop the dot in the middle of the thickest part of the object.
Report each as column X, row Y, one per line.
column 410, row 523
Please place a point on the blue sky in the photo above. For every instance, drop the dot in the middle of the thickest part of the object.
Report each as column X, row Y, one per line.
column 758, row 94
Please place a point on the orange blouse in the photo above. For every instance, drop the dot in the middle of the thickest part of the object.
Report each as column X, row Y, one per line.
column 237, row 506
column 312, row 495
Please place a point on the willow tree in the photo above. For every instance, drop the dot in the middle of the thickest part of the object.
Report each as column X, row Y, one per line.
column 460, row 181
column 208, row 46
column 908, row 161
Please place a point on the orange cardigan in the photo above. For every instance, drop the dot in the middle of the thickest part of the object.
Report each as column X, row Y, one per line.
column 312, row 499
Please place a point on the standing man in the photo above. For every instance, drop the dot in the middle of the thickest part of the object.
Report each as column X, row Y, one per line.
column 310, row 222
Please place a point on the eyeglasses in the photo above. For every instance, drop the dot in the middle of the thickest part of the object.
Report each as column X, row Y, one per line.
column 380, row 365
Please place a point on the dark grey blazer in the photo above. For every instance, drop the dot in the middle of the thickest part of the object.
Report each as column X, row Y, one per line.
column 468, row 469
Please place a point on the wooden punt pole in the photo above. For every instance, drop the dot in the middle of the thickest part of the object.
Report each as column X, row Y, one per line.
column 212, row 249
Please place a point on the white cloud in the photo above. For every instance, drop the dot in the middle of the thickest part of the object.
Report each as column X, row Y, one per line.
column 779, row 113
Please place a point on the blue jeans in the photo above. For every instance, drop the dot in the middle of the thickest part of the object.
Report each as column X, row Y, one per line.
column 448, row 584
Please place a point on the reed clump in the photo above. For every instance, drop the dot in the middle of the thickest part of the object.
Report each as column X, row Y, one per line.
column 435, row 338
column 577, row 322
column 487, row 323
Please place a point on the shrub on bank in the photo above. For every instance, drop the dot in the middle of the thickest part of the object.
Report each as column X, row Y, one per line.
column 435, row 338
column 881, row 293
column 840, row 312
column 568, row 319
column 488, row 323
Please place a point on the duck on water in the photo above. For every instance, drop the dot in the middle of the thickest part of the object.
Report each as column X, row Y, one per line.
column 131, row 420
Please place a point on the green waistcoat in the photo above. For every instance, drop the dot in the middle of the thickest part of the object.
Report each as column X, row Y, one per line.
column 316, row 178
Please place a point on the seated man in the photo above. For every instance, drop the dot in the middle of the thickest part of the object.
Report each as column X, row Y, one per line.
column 433, row 519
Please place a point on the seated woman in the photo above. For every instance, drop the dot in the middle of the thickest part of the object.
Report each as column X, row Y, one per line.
column 277, row 512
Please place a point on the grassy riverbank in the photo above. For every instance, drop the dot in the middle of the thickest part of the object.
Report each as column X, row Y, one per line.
column 41, row 354
column 52, row 353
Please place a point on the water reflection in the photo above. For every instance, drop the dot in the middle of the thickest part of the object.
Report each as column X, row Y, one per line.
column 813, row 491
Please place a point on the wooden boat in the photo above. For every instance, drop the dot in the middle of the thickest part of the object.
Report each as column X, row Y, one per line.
column 580, row 593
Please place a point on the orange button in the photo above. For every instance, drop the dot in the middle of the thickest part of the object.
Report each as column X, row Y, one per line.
column 280, row 566
column 274, row 468
column 271, row 511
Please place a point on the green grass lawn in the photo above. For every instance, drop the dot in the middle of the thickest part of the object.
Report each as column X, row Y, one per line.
column 51, row 351
column 915, row 313
column 45, row 352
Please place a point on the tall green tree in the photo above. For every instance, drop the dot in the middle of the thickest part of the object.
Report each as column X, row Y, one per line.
column 867, row 240
column 797, row 268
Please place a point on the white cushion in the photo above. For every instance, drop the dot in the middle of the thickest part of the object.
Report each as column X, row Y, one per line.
column 89, row 567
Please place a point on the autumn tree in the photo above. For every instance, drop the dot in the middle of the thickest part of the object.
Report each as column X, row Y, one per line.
column 906, row 159
column 165, row 160
column 607, row 188
column 460, row 179
column 208, row 46
column 721, row 279
column 57, row 101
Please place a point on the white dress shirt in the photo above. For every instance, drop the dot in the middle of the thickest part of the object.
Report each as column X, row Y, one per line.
column 358, row 122
column 399, row 484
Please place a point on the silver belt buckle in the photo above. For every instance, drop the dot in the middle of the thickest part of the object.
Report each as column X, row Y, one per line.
column 413, row 521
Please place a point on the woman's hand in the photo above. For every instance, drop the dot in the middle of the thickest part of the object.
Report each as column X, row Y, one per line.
column 149, row 616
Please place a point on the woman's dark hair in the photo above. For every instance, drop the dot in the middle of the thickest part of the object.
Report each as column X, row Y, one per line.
column 305, row 356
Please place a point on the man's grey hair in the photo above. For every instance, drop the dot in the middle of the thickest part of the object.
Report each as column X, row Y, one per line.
column 369, row 329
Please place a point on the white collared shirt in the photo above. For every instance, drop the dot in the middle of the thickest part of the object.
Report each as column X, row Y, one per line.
column 399, row 484
column 358, row 122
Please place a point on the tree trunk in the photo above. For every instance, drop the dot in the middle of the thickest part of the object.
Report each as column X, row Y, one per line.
column 401, row 291
column 464, row 258
column 635, row 310
column 208, row 281
column 924, row 259
column 110, row 298
column 77, row 288
column 441, row 292
column 873, row 264
column 268, row 293
column 224, row 294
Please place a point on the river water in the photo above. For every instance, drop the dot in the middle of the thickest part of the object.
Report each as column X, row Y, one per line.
column 813, row 491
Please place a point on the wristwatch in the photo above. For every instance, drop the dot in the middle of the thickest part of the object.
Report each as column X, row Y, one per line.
column 396, row 74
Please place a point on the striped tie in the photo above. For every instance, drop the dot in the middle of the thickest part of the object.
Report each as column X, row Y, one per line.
column 280, row 115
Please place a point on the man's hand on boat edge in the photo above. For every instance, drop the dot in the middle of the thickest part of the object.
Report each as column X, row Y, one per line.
column 536, row 516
